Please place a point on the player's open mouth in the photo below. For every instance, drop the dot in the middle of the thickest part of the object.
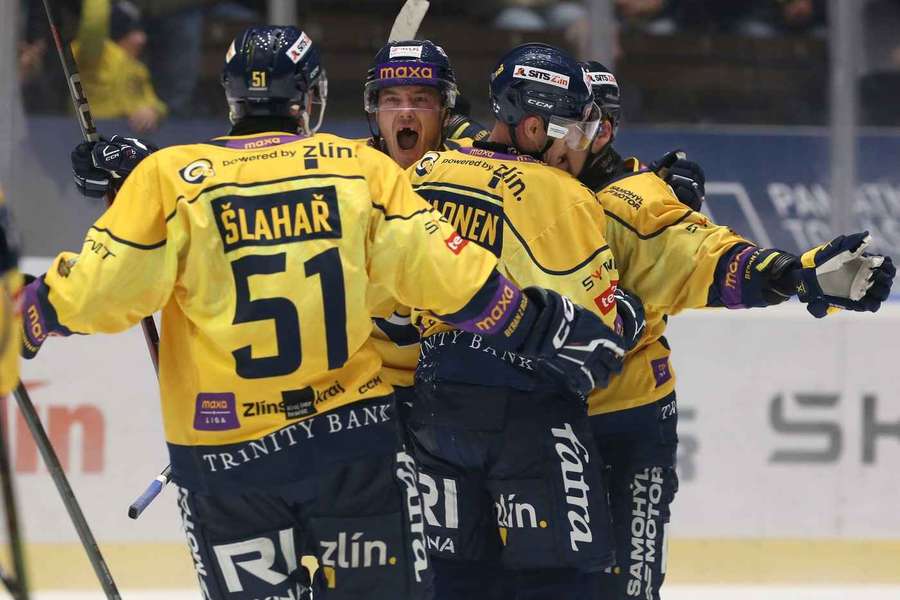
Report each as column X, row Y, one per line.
column 407, row 138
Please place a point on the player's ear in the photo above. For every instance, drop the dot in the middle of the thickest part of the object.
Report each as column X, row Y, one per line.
column 604, row 136
column 531, row 131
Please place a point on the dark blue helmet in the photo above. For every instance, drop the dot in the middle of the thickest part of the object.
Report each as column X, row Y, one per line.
column 410, row 62
column 606, row 91
column 537, row 79
column 268, row 70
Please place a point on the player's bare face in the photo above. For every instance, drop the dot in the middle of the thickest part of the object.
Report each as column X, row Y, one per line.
column 409, row 119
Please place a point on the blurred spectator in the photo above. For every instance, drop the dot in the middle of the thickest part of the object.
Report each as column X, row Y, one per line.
column 780, row 17
column 175, row 32
column 538, row 15
column 651, row 16
column 108, row 46
column 880, row 85
column 40, row 76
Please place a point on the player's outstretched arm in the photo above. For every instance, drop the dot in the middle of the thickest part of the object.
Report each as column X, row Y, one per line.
column 125, row 271
column 839, row 274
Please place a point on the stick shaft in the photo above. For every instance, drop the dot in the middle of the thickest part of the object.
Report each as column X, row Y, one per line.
column 66, row 493
column 17, row 585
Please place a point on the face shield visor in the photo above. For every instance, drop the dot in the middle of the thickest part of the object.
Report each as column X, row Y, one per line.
column 318, row 100
column 577, row 133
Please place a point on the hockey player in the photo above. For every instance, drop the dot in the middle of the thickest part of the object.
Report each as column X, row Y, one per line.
column 498, row 445
column 409, row 93
column 634, row 419
column 264, row 249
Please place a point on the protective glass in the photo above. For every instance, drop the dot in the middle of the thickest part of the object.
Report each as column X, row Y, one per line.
column 577, row 133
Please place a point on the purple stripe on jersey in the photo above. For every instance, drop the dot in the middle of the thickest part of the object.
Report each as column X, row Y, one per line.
column 260, row 141
column 215, row 412
column 497, row 314
column 731, row 290
column 497, row 155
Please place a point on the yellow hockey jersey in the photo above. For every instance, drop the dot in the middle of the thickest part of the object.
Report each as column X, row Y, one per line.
column 267, row 254
column 394, row 337
column 543, row 224
column 10, row 316
column 667, row 254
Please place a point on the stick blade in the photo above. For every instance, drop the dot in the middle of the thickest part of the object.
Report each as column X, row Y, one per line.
column 406, row 25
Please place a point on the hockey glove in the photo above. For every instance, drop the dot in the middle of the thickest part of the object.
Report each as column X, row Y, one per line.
column 839, row 274
column 571, row 344
column 34, row 324
column 101, row 167
column 631, row 321
column 685, row 177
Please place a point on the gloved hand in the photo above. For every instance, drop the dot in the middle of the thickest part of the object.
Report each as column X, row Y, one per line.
column 33, row 322
column 571, row 344
column 685, row 177
column 840, row 274
column 101, row 167
column 631, row 319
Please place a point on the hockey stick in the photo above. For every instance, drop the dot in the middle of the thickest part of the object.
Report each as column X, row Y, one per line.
column 18, row 585
column 152, row 491
column 89, row 132
column 405, row 27
column 66, row 493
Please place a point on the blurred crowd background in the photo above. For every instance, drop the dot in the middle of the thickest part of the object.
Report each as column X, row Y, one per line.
column 678, row 61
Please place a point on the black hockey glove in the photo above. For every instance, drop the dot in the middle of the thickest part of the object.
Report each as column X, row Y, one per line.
column 685, row 177
column 631, row 316
column 101, row 167
column 571, row 344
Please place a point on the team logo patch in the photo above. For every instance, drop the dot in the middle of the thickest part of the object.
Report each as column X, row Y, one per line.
column 427, row 163
column 541, row 76
column 299, row 48
column 197, row 171
column 406, row 51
